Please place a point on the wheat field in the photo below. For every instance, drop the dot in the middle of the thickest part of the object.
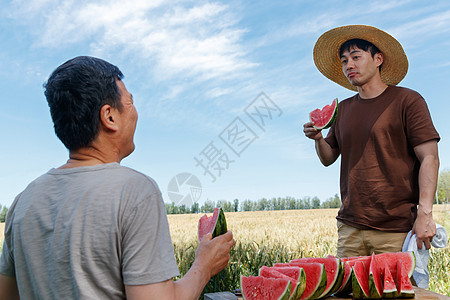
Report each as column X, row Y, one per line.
column 266, row 237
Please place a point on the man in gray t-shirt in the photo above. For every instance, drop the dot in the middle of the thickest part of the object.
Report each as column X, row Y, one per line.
column 93, row 229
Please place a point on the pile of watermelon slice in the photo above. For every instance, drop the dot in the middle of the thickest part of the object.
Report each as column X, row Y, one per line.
column 378, row 276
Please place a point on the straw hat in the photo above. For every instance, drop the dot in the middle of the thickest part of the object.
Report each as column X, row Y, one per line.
column 327, row 60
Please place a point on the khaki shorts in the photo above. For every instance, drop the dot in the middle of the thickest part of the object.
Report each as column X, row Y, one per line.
column 356, row 242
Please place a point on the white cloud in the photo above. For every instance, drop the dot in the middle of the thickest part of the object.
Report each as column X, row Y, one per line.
column 178, row 37
column 434, row 25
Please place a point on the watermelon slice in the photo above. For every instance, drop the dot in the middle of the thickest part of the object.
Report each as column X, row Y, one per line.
column 360, row 281
column 216, row 224
column 404, row 286
column 324, row 118
column 316, row 278
column 346, row 286
column 259, row 288
column 295, row 285
column 408, row 260
column 375, row 279
column 296, row 273
column 333, row 269
column 389, row 288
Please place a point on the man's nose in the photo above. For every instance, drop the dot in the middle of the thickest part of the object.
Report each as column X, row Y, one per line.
column 350, row 64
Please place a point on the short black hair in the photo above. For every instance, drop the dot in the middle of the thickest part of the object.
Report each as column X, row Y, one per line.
column 361, row 44
column 76, row 92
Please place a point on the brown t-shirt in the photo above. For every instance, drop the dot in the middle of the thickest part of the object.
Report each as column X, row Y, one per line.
column 379, row 170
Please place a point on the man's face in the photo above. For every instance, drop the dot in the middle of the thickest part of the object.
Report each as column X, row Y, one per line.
column 359, row 66
column 128, row 120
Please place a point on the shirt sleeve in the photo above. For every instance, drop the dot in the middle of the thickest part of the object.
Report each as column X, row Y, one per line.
column 148, row 255
column 419, row 126
column 7, row 259
column 331, row 137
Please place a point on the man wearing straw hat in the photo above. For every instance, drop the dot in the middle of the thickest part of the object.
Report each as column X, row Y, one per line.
column 386, row 140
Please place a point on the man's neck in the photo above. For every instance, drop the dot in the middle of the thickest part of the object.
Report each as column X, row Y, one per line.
column 372, row 89
column 89, row 156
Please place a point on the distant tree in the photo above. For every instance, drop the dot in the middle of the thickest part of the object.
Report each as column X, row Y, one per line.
column 443, row 187
column 247, row 205
column 195, row 208
column 291, row 203
column 262, row 204
column 236, row 205
column 315, row 203
column 3, row 213
column 208, row 206
column 306, row 203
column 183, row 210
column 333, row 202
column 226, row 205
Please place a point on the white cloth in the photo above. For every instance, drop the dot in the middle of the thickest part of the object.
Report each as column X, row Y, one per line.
column 421, row 275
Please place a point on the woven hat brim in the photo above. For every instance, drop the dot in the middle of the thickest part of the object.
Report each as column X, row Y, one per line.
column 327, row 60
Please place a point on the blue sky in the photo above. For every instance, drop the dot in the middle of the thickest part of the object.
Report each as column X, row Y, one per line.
column 197, row 71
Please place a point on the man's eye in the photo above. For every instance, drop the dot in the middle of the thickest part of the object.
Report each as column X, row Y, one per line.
column 355, row 57
column 344, row 61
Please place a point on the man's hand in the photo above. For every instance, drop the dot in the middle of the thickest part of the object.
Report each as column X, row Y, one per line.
column 211, row 257
column 311, row 132
column 326, row 154
column 424, row 228
column 213, row 254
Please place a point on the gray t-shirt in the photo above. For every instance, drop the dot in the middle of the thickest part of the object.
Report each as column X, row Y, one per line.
column 84, row 233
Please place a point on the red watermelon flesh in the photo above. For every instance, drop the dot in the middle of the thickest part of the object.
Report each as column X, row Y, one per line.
column 333, row 270
column 295, row 273
column 407, row 259
column 389, row 288
column 324, row 118
column 215, row 224
column 316, row 278
column 375, row 279
column 360, row 281
column 261, row 288
column 404, row 286
column 271, row 273
column 349, row 262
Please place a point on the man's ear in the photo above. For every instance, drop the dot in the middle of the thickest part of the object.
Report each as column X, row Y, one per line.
column 108, row 117
column 378, row 57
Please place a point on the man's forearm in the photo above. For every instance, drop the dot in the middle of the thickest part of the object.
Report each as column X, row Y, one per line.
column 326, row 154
column 428, row 175
column 192, row 284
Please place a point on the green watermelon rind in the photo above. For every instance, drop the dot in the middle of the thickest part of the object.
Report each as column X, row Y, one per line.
column 295, row 294
column 391, row 293
column 321, row 287
column 374, row 292
column 332, row 119
column 322, row 282
column 221, row 224
column 220, row 227
column 346, row 287
column 404, row 293
column 357, row 290
column 339, row 279
column 301, row 280
column 284, row 296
